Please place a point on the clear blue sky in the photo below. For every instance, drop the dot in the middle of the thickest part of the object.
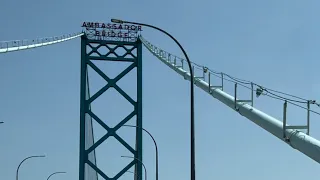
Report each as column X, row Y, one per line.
column 274, row 43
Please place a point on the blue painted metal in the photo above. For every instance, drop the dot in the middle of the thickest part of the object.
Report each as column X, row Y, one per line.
column 85, row 110
column 83, row 89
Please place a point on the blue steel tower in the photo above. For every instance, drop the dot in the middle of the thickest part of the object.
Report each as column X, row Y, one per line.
column 133, row 54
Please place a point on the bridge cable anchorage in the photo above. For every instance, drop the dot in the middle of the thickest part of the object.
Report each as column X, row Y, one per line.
column 18, row 45
column 298, row 140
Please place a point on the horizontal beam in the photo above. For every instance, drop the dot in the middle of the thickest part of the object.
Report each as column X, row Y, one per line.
column 297, row 139
column 296, row 127
column 119, row 43
column 105, row 58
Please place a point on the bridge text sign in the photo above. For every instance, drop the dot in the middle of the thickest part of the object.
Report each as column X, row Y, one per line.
column 111, row 31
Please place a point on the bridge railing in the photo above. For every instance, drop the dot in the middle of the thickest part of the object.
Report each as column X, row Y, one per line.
column 14, row 45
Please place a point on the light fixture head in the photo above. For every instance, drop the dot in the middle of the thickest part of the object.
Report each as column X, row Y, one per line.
column 205, row 69
column 259, row 91
column 117, row 21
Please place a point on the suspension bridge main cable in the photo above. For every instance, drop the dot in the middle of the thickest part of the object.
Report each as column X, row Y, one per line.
column 275, row 94
column 291, row 135
column 244, row 83
column 17, row 45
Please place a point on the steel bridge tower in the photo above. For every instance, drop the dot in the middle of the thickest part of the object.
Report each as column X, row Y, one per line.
column 87, row 145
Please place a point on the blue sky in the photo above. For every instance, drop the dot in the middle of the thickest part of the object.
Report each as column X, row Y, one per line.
column 274, row 43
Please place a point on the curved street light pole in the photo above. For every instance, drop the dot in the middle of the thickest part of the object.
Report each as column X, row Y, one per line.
column 55, row 173
column 17, row 173
column 155, row 144
column 145, row 169
column 193, row 171
column 135, row 174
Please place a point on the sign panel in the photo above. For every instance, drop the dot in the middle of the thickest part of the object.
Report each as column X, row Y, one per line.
column 111, row 31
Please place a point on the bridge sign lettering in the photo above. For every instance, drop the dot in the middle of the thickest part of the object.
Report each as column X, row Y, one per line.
column 111, row 31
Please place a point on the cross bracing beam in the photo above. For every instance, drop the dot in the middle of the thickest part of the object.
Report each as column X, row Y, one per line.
column 87, row 58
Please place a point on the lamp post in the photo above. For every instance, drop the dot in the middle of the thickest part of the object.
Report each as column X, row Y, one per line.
column 145, row 169
column 155, row 144
column 17, row 173
column 193, row 171
column 55, row 173
column 135, row 174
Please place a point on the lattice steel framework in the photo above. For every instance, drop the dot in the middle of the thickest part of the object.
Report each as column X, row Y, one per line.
column 87, row 146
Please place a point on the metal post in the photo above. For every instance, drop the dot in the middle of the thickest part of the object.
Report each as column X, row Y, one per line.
column 284, row 118
column 155, row 144
column 235, row 96
column 83, row 107
column 192, row 137
column 182, row 64
column 139, row 138
column 204, row 73
column 145, row 169
column 17, row 173
column 308, row 118
column 252, row 94
column 193, row 70
column 55, row 173
column 209, row 80
column 135, row 174
column 222, row 81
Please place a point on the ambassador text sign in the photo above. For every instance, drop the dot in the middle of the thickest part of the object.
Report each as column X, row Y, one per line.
column 111, row 30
